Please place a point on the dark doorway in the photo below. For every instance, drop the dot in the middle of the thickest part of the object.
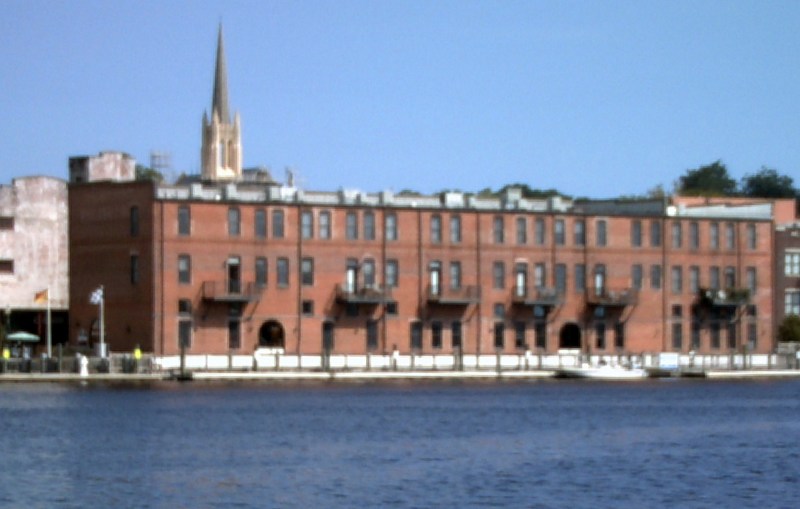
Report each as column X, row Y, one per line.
column 570, row 336
column 271, row 335
column 327, row 337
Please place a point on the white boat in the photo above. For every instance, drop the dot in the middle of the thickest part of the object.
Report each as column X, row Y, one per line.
column 603, row 372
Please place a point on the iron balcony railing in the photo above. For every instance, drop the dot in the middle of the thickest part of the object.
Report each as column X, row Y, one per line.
column 373, row 294
column 539, row 296
column 227, row 291
column 463, row 295
column 726, row 297
column 603, row 296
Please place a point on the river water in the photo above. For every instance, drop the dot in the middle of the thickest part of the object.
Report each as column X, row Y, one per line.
column 535, row 444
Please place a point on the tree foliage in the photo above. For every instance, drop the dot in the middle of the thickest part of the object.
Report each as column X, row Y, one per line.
column 789, row 330
column 767, row 183
column 709, row 180
column 145, row 173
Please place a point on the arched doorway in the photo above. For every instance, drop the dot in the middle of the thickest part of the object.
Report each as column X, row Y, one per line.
column 570, row 336
column 271, row 335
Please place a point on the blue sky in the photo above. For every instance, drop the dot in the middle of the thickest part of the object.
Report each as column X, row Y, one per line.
column 596, row 99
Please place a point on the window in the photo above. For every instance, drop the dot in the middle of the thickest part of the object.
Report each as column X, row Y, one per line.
column 6, row 223
column 324, row 224
column 655, row 233
column 730, row 277
column 677, row 235
column 436, row 229
column 391, row 273
column 368, row 269
column 184, row 269
column 752, row 280
column 416, row 336
column 730, row 236
column 369, row 225
column 561, row 278
column 134, row 221
column 752, row 335
column 134, row 268
column 455, row 275
column 184, row 220
column 677, row 279
column 539, row 231
column 499, row 275
column 619, row 335
column 499, row 333
column 307, row 224
column 600, row 334
column 694, row 235
column 636, row 233
column 694, row 279
column 277, row 224
column 372, row 335
column 307, row 307
column 792, row 302
column 455, row 334
column 499, row 311
column 261, row 271
column 519, row 335
column 580, row 277
column 558, row 232
column 307, row 271
column 677, row 335
column 602, row 233
column 351, row 226
column 714, row 240
column 715, row 335
column 751, row 236
column 234, row 223
column 185, row 307
column 455, row 229
column 6, row 266
column 713, row 275
column 540, row 331
column 391, row 226
column 580, row 232
column 522, row 230
column 695, row 331
column 184, row 333
column 655, row 277
column 391, row 308
column 260, row 224
column 436, row 335
column 498, row 230
column 636, row 276
column 234, row 327
column 283, row 272
column 791, row 264
column 539, row 276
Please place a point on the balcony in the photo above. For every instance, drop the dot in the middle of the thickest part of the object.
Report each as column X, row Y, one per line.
column 729, row 297
column 612, row 297
column 547, row 297
column 367, row 295
column 226, row 291
column 462, row 296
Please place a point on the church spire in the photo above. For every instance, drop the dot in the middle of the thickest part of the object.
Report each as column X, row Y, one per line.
column 219, row 103
column 221, row 151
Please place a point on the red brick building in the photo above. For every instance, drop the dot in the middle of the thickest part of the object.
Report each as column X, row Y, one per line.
column 227, row 265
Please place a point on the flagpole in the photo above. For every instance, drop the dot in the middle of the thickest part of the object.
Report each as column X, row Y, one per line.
column 102, row 322
column 49, row 327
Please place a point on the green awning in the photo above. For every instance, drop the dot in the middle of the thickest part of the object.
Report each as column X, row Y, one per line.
column 23, row 336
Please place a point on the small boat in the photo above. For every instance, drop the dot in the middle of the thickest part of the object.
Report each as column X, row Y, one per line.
column 602, row 372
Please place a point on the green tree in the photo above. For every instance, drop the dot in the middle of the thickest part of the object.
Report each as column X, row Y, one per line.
column 767, row 183
column 145, row 173
column 709, row 180
column 789, row 329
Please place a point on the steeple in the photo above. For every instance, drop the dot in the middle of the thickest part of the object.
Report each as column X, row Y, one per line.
column 219, row 103
column 221, row 152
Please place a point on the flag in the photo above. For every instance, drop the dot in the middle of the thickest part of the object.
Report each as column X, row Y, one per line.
column 42, row 297
column 97, row 296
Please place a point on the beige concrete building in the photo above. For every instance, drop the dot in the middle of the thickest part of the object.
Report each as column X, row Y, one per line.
column 34, row 255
